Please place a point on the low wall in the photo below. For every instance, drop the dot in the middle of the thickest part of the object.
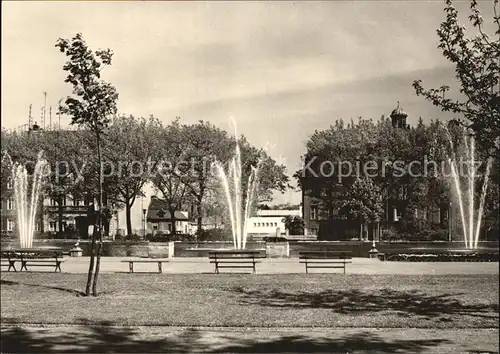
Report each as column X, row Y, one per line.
column 361, row 248
column 201, row 249
column 278, row 250
column 109, row 248
column 161, row 249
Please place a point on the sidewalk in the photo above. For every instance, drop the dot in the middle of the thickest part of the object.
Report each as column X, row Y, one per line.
column 179, row 265
column 92, row 339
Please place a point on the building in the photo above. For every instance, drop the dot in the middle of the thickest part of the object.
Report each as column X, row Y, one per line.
column 266, row 222
column 159, row 219
column 7, row 209
column 329, row 226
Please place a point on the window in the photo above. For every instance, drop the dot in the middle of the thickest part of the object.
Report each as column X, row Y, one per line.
column 314, row 231
column 76, row 202
column 276, row 224
column 267, row 224
column 314, row 213
column 10, row 204
column 254, row 224
column 258, row 224
column 37, row 226
column 53, row 202
column 10, row 225
column 10, row 185
column 52, row 226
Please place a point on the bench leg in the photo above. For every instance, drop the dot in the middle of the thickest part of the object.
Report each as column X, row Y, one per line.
column 254, row 268
column 307, row 270
column 131, row 267
column 159, row 268
column 58, row 266
column 12, row 265
column 23, row 266
column 344, row 267
column 216, row 268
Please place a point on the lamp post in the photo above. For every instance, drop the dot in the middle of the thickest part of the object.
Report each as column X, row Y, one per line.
column 144, row 222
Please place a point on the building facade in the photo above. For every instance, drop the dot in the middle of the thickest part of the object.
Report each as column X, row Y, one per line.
column 159, row 219
column 267, row 222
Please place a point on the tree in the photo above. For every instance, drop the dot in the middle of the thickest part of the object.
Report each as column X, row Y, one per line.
column 6, row 160
column 172, row 178
column 361, row 201
column 67, row 153
column 91, row 105
column 203, row 144
column 294, row 224
column 271, row 176
column 132, row 150
column 477, row 67
column 332, row 160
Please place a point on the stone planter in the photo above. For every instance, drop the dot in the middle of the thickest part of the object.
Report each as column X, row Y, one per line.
column 76, row 252
column 277, row 250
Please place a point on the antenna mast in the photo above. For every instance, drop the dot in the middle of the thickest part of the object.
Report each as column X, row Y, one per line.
column 50, row 118
column 44, row 108
column 30, row 119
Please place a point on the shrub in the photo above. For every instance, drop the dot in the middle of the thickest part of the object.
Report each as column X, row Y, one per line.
column 161, row 237
column 272, row 239
column 133, row 237
column 294, row 224
column 390, row 234
column 215, row 235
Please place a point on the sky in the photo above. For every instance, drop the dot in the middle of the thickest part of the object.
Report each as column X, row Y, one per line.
column 281, row 69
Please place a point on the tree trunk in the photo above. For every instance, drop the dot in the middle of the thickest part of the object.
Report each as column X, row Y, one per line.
column 99, row 218
column 172, row 218
column 199, row 210
column 59, row 214
column 91, row 263
column 128, row 209
column 106, row 223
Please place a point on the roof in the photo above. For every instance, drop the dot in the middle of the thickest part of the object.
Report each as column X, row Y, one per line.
column 281, row 213
column 158, row 211
column 398, row 111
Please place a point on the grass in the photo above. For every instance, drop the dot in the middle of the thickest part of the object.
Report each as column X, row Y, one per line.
column 282, row 300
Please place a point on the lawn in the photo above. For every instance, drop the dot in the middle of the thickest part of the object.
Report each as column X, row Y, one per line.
column 282, row 300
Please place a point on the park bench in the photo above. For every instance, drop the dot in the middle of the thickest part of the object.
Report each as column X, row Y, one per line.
column 235, row 259
column 39, row 258
column 325, row 259
column 9, row 259
column 132, row 261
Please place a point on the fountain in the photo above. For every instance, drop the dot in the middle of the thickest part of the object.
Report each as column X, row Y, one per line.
column 471, row 222
column 234, row 194
column 26, row 203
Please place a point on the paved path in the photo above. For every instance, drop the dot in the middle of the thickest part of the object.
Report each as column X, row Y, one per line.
column 88, row 339
column 291, row 265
